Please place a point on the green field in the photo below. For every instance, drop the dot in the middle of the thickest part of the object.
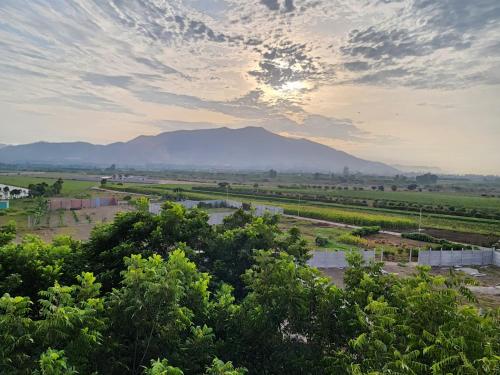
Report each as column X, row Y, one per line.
column 71, row 188
column 424, row 198
column 391, row 219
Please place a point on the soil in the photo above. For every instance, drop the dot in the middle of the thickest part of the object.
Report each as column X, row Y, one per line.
column 387, row 239
column 478, row 239
column 483, row 292
column 65, row 223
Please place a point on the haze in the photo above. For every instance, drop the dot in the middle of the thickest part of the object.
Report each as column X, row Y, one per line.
column 402, row 82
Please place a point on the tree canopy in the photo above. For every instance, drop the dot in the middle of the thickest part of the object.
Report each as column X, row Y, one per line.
column 171, row 295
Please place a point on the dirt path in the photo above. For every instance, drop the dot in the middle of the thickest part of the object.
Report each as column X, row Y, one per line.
column 341, row 225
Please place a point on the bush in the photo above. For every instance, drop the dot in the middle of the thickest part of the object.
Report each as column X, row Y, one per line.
column 349, row 239
column 321, row 241
column 366, row 231
column 441, row 243
column 423, row 237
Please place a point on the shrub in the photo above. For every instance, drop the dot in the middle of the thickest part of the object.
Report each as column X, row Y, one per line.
column 349, row 239
column 321, row 241
column 419, row 237
column 366, row 231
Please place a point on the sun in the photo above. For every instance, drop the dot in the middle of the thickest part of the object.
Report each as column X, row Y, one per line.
column 295, row 86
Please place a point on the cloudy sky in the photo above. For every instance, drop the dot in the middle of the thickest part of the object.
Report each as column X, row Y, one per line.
column 414, row 82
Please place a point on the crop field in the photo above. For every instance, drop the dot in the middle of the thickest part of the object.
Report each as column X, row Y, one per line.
column 71, row 188
column 424, row 198
column 21, row 210
column 390, row 218
column 386, row 218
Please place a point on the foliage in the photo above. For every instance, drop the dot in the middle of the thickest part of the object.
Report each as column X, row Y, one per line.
column 351, row 239
column 366, row 231
column 43, row 189
column 321, row 241
column 7, row 232
column 171, row 295
column 355, row 218
column 141, row 204
column 441, row 243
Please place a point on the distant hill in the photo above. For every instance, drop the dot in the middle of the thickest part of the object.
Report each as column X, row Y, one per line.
column 251, row 148
column 2, row 145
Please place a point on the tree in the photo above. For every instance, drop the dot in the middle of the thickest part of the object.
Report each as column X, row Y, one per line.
column 394, row 188
column 427, row 179
column 412, row 187
column 141, row 204
column 14, row 193
column 38, row 190
column 57, row 186
column 232, row 299
column 104, row 181
column 6, row 190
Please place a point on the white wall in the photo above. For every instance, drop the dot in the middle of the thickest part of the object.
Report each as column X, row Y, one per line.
column 335, row 259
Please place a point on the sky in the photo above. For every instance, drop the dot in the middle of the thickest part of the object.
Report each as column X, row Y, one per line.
column 411, row 82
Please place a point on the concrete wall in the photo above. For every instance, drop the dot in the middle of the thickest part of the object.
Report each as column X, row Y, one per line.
column 155, row 208
column 496, row 258
column 335, row 259
column 216, row 218
column 448, row 258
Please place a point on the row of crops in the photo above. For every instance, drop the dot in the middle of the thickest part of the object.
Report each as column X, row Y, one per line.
column 353, row 218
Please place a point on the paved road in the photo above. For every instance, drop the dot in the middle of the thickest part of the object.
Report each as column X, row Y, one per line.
column 341, row 225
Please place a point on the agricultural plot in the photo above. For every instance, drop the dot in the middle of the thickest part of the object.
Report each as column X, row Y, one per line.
column 71, row 188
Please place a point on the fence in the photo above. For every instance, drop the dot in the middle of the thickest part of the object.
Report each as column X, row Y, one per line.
column 77, row 204
column 335, row 259
column 450, row 258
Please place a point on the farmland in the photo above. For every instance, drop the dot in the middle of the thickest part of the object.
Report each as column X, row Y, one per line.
column 318, row 202
column 387, row 218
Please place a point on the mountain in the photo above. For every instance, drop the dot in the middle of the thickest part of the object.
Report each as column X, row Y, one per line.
column 251, row 148
column 2, row 145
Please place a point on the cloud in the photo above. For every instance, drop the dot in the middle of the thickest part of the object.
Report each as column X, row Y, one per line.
column 427, row 43
column 255, row 60
column 107, row 80
column 286, row 62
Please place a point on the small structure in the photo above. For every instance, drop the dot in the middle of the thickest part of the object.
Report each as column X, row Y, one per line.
column 4, row 204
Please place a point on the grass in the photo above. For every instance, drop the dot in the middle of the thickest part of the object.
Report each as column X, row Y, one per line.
column 424, row 198
column 311, row 230
column 363, row 216
column 71, row 188
column 393, row 219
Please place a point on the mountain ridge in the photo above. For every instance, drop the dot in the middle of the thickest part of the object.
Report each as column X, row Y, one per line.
column 252, row 148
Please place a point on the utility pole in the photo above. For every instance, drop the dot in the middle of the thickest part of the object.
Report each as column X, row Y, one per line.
column 298, row 207
column 227, row 192
column 420, row 221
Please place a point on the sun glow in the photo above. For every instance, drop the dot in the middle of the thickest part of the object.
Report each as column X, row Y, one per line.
column 295, row 86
